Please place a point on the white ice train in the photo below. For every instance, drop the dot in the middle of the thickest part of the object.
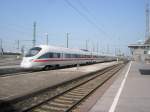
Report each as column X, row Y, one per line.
column 44, row 56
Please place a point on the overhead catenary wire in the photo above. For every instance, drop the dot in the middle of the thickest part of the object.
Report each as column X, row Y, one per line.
column 16, row 30
column 19, row 30
column 86, row 17
column 86, row 9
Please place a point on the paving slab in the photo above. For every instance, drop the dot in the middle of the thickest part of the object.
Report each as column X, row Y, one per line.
column 135, row 94
column 19, row 85
column 9, row 61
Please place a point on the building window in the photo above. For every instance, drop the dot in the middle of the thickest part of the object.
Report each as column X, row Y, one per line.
column 145, row 52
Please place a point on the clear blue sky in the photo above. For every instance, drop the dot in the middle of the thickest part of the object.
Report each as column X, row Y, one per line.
column 115, row 23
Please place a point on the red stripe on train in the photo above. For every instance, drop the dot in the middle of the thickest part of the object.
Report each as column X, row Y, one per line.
column 47, row 60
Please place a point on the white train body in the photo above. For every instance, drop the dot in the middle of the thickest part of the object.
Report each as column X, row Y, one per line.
column 43, row 55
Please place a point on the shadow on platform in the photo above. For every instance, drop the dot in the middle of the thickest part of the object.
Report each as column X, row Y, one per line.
column 144, row 71
column 7, row 107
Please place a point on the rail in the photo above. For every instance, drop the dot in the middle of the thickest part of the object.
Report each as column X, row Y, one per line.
column 71, row 92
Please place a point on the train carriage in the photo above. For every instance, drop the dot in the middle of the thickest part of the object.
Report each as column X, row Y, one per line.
column 46, row 56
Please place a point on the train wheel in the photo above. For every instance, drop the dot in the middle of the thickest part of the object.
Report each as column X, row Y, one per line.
column 57, row 66
column 47, row 67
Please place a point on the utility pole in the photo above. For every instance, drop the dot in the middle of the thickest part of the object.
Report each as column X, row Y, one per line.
column 107, row 48
column 1, row 46
column 93, row 47
column 115, row 51
column 1, row 42
column 67, row 39
column 46, row 38
column 147, row 21
column 18, row 44
column 97, row 47
column 86, row 45
column 34, row 34
column 22, row 50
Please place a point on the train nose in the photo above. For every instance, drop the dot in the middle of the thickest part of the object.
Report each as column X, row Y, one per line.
column 26, row 63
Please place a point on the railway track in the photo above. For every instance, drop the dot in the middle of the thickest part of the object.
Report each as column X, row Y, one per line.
column 63, row 97
column 8, row 62
column 69, row 99
column 15, row 71
column 18, row 71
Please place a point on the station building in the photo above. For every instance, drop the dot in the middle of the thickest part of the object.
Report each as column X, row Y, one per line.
column 141, row 51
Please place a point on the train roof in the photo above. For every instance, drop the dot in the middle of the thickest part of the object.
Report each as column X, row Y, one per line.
column 63, row 49
column 58, row 49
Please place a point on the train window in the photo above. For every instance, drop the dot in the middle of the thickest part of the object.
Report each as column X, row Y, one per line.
column 88, row 56
column 78, row 55
column 33, row 51
column 73, row 55
column 83, row 56
column 56, row 55
column 47, row 55
column 50, row 55
column 67, row 55
column 101, row 56
column 145, row 52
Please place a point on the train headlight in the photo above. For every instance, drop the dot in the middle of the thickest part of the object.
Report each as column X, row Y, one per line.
column 30, row 60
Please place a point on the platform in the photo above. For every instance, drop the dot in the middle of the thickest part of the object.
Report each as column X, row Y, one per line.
column 15, row 86
column 129, row 93
column 9, row 61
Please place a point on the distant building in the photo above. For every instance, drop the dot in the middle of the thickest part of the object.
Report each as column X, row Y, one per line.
column 141, row 51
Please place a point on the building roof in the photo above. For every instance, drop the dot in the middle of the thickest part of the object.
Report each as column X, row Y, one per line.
column 138, row 45
column 132, row 45
column 144, row 44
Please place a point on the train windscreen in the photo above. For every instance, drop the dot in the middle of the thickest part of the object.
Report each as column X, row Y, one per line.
column 33, row 52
